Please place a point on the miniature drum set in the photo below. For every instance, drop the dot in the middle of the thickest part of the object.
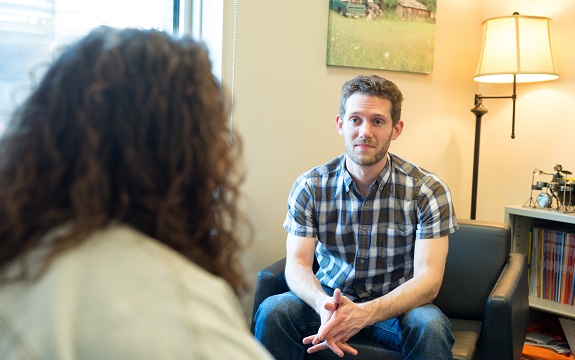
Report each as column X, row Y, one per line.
column 557, row 194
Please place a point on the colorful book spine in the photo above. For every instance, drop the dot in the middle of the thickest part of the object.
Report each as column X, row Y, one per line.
column 552, row 264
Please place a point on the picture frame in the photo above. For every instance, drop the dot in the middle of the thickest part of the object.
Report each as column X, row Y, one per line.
column 395, row 35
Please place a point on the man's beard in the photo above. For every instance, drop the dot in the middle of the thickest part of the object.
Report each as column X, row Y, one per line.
column 364, row 160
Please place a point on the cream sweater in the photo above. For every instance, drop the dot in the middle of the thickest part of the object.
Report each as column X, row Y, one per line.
column 122, row 295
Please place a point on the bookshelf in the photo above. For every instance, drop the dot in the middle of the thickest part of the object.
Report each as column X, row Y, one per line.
column 521, row 220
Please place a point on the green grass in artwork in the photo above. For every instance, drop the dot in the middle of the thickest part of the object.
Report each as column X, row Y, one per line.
column 382, row 43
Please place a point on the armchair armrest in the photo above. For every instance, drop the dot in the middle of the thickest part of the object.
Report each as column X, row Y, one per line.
column 271, row 280
column 506, row 313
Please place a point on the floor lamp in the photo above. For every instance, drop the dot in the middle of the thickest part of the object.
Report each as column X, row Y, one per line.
column 516, row 49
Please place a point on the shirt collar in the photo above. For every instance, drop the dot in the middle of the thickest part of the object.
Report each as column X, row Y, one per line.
column 381, row 179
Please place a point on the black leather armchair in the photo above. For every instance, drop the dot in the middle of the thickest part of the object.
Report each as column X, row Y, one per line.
column 484, row 294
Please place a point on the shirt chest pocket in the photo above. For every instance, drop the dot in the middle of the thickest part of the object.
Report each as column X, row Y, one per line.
column 394, row 244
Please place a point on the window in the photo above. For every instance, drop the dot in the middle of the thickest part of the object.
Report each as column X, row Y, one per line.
column 33, row 31
column 207, row 24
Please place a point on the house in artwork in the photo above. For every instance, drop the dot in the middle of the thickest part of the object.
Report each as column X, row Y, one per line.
column 413, row 10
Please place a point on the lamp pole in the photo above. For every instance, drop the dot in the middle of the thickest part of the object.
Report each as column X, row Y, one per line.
column 479, row 110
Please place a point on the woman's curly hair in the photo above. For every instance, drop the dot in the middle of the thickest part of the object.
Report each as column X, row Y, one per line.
column 126, row 126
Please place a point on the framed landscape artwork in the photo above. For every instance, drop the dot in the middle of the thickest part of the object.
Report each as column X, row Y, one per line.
column 397, row 35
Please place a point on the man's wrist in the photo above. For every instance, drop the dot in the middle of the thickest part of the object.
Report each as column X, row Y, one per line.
column 320, row 300
column 371, row 310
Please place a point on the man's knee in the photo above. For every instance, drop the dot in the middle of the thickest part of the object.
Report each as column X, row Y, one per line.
column 428, row 320
column 269, row 307
column 277, row 311
column 427, row 332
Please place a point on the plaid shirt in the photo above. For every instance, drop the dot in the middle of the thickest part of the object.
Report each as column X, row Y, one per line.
column 366, row 244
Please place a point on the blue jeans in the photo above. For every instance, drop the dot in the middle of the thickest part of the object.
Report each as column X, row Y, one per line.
column 282, row 321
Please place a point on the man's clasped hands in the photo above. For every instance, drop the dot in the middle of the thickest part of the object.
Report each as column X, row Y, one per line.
column 341, row 319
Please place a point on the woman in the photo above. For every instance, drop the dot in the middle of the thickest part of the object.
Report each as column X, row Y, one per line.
column 119, row 236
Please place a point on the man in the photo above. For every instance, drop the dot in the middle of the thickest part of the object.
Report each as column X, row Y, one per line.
column 378, row 227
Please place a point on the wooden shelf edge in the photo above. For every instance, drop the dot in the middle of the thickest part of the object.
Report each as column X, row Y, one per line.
column 553, row 307
column 543, row 214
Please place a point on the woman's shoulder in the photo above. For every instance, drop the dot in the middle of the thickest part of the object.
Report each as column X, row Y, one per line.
column 136, row 295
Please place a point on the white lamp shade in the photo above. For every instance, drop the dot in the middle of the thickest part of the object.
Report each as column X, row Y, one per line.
column 516, row 45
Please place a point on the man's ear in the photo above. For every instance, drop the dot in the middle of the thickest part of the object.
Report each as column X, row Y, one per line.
column 397, row 129
column 339, row 124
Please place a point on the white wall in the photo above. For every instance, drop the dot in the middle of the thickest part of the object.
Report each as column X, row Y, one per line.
column 286, row 99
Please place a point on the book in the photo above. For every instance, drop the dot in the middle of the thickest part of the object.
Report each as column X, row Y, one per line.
column 552, row 263
column 535, row 338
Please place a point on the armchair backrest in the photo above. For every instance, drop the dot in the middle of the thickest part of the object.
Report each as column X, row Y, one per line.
column 478, row 252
